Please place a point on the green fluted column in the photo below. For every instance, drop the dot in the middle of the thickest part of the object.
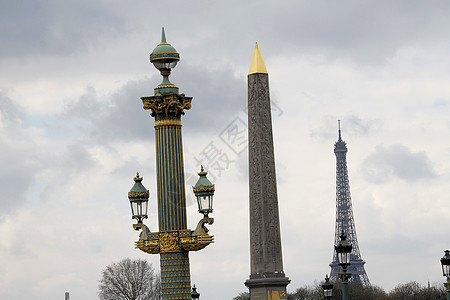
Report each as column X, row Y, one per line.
column 175, row 271
column 170, row 176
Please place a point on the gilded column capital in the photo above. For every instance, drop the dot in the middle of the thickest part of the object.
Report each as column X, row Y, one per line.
column 169, row 106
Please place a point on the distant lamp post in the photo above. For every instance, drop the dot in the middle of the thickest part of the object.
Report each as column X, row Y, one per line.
column 327, row 288
column 343, row 250
column 445, row 263
column 195, row 294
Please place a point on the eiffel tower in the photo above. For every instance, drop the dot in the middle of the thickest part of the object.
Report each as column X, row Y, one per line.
column 344, row 219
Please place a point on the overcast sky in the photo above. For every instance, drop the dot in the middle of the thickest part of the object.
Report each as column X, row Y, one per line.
column 73, row 134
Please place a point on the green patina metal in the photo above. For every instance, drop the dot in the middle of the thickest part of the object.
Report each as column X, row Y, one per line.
column 170, row 183
column 138, row 191
column 138, row 196
column 166, row 103
column 164, row 50
column 165, row 57
column 175, row 272
column 203, row 185
column 166, row 87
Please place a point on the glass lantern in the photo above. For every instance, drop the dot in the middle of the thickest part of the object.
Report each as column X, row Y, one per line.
column 204, row 192
column 138, row 197
column 164, row 57
column 165, row 64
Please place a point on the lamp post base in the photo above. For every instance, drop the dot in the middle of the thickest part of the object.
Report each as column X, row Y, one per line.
column 268, row 288
column 175, row 276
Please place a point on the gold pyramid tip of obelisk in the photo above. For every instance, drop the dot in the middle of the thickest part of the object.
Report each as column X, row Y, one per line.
column 257, row 65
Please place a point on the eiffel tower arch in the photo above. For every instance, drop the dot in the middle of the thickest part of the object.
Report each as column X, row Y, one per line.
column 345, row 221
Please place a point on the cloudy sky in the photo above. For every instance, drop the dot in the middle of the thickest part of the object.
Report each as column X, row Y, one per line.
column 73, row 134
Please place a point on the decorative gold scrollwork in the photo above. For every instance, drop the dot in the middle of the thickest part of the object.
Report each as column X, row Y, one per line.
column 168, row 242
column 176, row 240
column 133, row 194
column 167, row 106
column 201, row 228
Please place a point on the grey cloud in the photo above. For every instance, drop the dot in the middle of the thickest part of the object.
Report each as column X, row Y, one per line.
column 23, row 158
column 359, row 127
column 121, row 118
column 396, row 161
column 17, row 174
column 297, row 27
column 10, row 113
column 366, row 32
column 351, row 126
column 217, row 95
column 74, row 159
column 18, row 154
column 331, row 26
column 54, row 27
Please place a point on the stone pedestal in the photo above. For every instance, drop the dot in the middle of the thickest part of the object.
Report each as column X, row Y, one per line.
column 272, row 288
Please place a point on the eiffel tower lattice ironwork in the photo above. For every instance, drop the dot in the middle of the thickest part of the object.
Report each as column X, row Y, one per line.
column 345, row 221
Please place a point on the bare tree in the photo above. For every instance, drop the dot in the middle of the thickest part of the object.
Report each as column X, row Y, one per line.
column 129, row 280
column 242, row 296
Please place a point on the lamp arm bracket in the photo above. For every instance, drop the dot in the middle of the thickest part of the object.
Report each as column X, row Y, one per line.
column 145, row 231
column 201, row 228
column 345, row 276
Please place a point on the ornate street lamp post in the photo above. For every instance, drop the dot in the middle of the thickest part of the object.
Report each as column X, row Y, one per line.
column 327, row 288
column 445, row 263
column 343, row 249
column 173, row 241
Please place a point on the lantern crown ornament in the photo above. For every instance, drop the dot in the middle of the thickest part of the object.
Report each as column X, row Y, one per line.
column 164, row 57
column 445, row 263
column 167, row 105
column 138, row 196
column 204, row 191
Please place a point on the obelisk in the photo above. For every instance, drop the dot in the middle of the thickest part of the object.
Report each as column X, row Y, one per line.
column 267, row 279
